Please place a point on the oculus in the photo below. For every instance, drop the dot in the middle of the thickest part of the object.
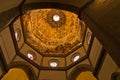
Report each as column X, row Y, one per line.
column 88, row 37
column 17, row 34
column 76, row 57
column 53, row 63
column 56, row 18
column 52, row 31
column 31, row 55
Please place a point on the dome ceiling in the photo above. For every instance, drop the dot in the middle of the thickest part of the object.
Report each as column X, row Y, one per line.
column 53, row 31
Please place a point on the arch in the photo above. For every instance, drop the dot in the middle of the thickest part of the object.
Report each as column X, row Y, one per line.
column 80, row 68
column 26, row 67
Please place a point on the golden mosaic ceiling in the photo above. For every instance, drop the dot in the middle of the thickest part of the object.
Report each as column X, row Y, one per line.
column 52, row 31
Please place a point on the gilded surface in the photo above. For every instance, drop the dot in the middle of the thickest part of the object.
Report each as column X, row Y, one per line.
column 45, row 38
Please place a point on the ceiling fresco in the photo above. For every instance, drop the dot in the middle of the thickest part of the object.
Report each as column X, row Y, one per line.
column 52, row 31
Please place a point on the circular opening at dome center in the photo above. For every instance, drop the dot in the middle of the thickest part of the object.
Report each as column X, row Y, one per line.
column 56, row 18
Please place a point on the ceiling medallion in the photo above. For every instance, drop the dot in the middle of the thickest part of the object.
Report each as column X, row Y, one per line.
column 56, row 18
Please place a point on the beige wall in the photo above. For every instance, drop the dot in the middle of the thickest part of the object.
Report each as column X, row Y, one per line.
column 82, row 53
column 17, row 25
column 61, row 61
column 94, row 54
column 25, row 48
column 95, row 51
column 86, row 61
column 6, row 44
column 52, row 75
column 8, row 4
column 107, row 69
column 86, row 45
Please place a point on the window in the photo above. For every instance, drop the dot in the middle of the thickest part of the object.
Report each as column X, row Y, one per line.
column 17, row 34
column 53, row 63
column 31, row 55
column 88, row 37
column 76, row 57
column 56, row 17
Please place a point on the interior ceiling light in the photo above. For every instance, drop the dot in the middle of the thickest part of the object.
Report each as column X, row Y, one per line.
column 53, row 63
column 76, row 57
column 56, row 17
